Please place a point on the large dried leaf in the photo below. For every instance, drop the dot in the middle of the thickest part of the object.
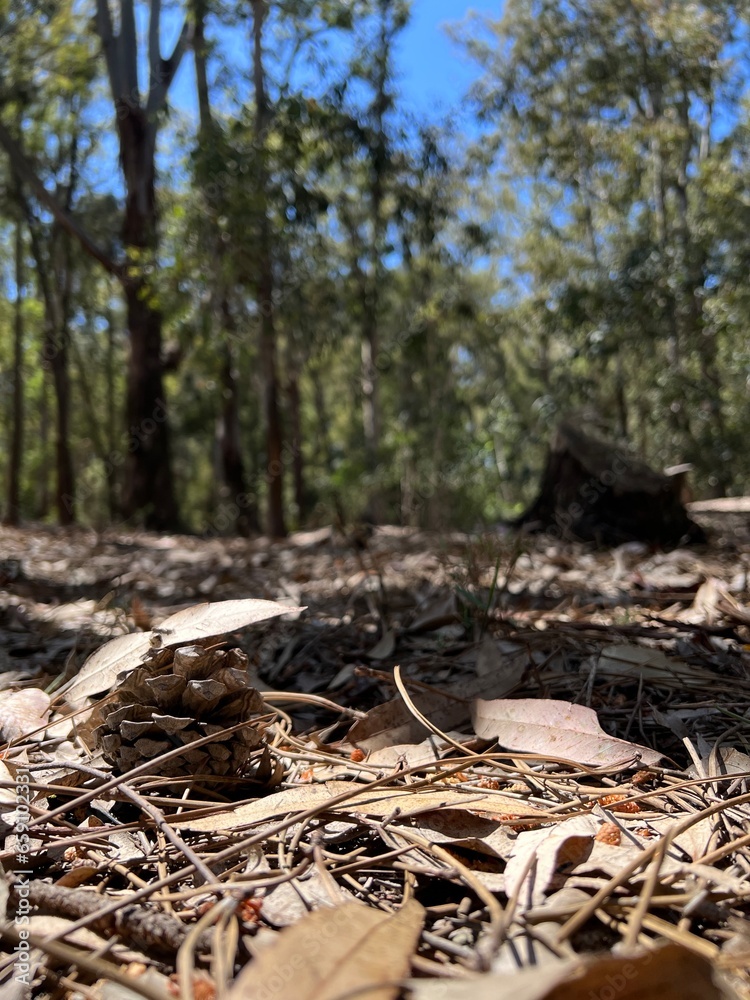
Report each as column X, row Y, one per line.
column 556, row 728
column 201, row 621
column 332, row 953
column 669, row 973
column 366, row 802
column 640, row 662
column 205, row 620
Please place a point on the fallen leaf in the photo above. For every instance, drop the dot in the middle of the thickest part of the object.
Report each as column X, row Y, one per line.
column 351, row 949
column 557, row 728
column 636, row 662
column 443, row 610
column 500, row 659
column 202, row 621
column 669, row 973
column 392, row 723
column 384, row 647
column 366, row 802
column 22, row 712
column 102, row 668
column 537, row 855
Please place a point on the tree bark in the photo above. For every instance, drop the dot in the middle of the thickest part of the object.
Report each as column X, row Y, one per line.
column 276, row 526
column 54, row 278
column 298, row 464
column 149, row 489
column 15, row 452
column 232, row 467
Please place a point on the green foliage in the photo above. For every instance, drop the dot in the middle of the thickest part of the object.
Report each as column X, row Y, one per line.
column 589, row 255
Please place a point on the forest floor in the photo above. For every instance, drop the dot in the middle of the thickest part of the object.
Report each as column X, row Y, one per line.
column 486, row 766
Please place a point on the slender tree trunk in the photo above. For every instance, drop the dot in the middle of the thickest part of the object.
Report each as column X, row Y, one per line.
column 54, row 285
column 149, row 488
column 298, row 463
column 15, row 452
column 232, row 467
column 370, row 350
column 324, row 450
column 56, row 342
column 111, row 431
column 276, row 526
column 43, row 487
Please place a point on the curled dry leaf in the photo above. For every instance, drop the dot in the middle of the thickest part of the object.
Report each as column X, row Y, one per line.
column 346, row 951
column 22, row 712
column 202, row 621
column 538, row 854
column 556, row 728
column 669, row 973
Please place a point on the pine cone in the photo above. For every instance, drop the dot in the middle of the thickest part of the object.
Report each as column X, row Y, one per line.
column 176, row 697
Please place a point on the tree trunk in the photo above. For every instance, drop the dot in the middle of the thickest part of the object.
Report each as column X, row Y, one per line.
column 54, row 284
column 232, row 466
column 15, row 452
column 56, row 350
column 298, row 465
column 232, row 469
column 274, row 436
column 149, row 489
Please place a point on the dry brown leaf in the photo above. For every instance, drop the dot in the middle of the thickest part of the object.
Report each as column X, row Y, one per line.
column 538, row 854
column 202, row 621
column 373, row 802
column 384, row 647
column 458, row 828
column 669, row 973
column 499, row 658
column 636, row 662
column 22, row 712
column 415, row 754
column 333, row 953
column 443, row 610
column 557, row 728
column 392, row 723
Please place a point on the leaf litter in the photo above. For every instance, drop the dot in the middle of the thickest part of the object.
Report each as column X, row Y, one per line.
column 515, row 769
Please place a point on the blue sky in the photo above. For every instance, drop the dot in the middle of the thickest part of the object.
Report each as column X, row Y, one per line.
column 434, row 71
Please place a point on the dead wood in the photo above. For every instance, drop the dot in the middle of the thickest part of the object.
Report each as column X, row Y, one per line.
column 595, row 491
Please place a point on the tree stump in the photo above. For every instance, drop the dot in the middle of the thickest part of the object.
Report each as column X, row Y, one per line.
column 595, row 491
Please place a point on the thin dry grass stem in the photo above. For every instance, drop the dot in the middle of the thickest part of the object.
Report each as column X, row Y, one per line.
column 583, row 914
column 422, row 718
column 510, row 853
column 185, row 962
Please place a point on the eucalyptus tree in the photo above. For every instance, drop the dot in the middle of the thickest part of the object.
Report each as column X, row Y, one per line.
column 366, row 209
column 138, row 106
column 611, row 119
column 47, row 75
column 260, row 171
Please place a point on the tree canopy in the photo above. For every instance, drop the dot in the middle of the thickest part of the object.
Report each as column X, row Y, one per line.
column 246, row 288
